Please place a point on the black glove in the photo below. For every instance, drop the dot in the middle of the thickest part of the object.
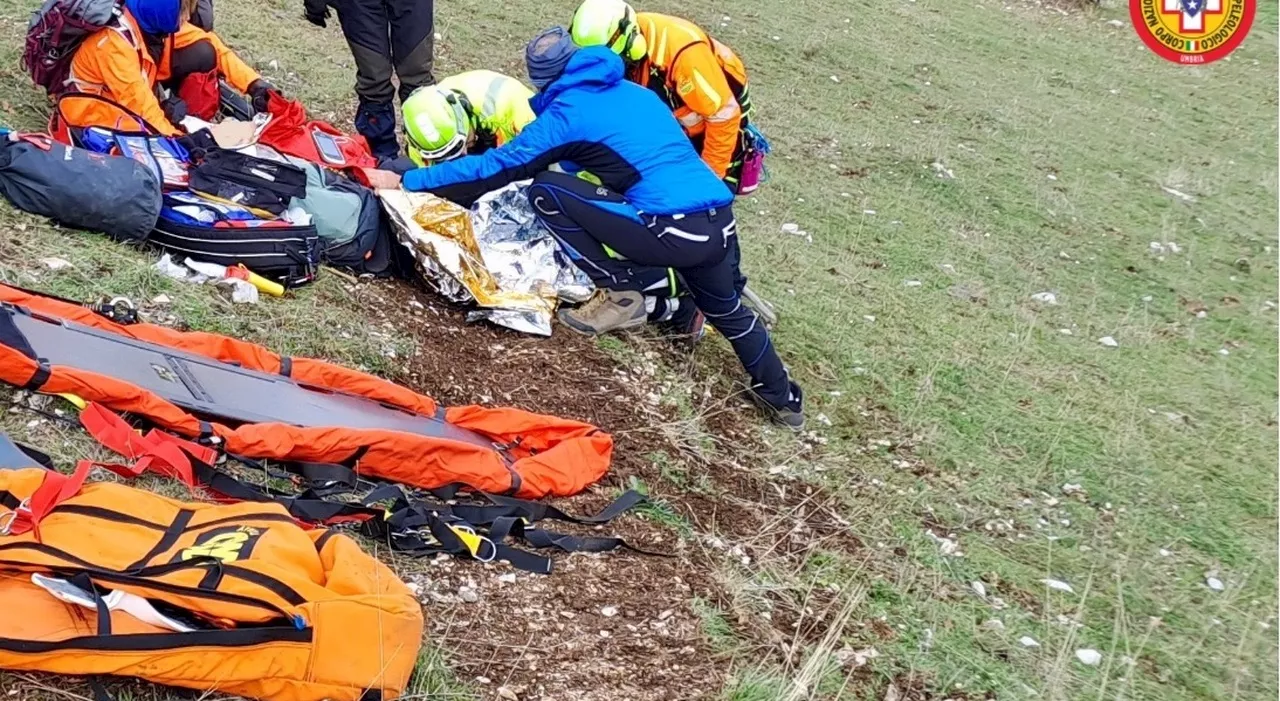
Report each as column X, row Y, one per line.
column 259, row 93
column 175, row 109
column 317, row 11
column 197, row 144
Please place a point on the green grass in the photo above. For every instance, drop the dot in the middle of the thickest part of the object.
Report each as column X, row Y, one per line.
column 433, row 678
column 755, row 685
column 1003, row 406
column 1061, row 131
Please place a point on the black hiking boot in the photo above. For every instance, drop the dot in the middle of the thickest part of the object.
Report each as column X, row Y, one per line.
column 791, row 415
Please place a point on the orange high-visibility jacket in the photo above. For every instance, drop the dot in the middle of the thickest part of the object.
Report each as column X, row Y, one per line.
column 267, row 610
column 114, row 63
column 701, row 80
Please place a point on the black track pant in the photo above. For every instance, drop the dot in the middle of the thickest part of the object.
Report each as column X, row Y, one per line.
column 199, row 57
column 387, row 37
column 698, row 245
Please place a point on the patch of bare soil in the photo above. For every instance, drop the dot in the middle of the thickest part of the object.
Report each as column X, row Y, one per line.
column 609, row 626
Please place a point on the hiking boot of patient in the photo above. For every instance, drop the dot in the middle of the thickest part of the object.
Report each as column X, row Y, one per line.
column 790, row 415
column 607, row 310
column 681, row 320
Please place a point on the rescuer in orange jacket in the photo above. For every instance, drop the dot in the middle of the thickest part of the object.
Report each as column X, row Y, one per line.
column 701, row 80
column 151, row 46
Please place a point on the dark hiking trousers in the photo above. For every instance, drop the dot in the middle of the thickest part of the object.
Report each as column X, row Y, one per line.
column 582, row 216
column 386, row 37
column 199, row 57
column 192, row 81
column 203, row 15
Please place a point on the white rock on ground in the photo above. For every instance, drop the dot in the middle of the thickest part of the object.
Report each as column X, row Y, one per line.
column 1045, row 298
column 55, row 263
column 1109, row 342
column 1058, row 585
column 1028, row 641
column 979, row 588
column 1178, row 194
column 858, row 658
column 1090, row 657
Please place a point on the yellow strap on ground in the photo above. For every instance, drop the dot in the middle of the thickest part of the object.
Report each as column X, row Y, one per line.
column 469, row 539
column 74, row 399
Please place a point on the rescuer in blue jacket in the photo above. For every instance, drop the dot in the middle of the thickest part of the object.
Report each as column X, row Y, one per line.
column 649, row 200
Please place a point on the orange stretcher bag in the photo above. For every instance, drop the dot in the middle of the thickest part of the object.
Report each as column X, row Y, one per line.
column 105, row 579
column 182, row 382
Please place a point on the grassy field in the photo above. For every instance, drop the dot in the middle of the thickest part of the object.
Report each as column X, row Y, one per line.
column 1021, row 491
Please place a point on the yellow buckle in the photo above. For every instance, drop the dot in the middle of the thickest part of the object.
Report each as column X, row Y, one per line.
column 475, row 543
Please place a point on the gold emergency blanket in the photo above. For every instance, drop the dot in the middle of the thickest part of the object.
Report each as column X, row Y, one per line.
column 513, row 270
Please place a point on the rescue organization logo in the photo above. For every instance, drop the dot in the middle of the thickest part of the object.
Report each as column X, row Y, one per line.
column 1192, row 31
column 228, row 544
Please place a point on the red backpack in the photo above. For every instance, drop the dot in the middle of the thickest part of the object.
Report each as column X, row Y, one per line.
column 291, row 133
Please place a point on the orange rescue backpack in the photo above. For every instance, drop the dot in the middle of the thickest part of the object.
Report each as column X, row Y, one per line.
column 105, row 579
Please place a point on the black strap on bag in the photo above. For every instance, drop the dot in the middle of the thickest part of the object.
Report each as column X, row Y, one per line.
column 428, row 522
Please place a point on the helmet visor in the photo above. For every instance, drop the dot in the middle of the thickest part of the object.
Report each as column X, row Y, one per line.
column 455, row 147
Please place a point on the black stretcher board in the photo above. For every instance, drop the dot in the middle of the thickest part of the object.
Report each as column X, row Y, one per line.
column 212, row 388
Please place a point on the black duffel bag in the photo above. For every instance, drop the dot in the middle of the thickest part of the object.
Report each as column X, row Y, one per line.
column 117, row 196
column 259, row 184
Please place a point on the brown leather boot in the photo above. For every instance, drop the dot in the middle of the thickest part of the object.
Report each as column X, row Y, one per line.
column 607, row 310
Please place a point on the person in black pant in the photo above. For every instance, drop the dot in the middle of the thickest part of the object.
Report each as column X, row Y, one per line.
column 651, row 204
column 701, row 247
column 385, row 36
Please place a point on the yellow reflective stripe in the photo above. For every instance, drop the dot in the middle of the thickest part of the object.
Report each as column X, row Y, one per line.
column 661, row 56
column 707, row 90
column 490, row 107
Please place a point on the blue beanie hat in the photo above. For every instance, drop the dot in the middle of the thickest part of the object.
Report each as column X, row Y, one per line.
column 156, row 16
column 547, row 55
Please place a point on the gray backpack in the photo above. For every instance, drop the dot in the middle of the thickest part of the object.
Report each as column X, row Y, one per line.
column 354, row 231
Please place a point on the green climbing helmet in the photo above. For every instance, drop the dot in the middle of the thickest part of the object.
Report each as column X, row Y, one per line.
column 436, row 124
column 610, row 23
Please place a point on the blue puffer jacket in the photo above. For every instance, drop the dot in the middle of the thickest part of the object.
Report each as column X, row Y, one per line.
column 591, row 119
